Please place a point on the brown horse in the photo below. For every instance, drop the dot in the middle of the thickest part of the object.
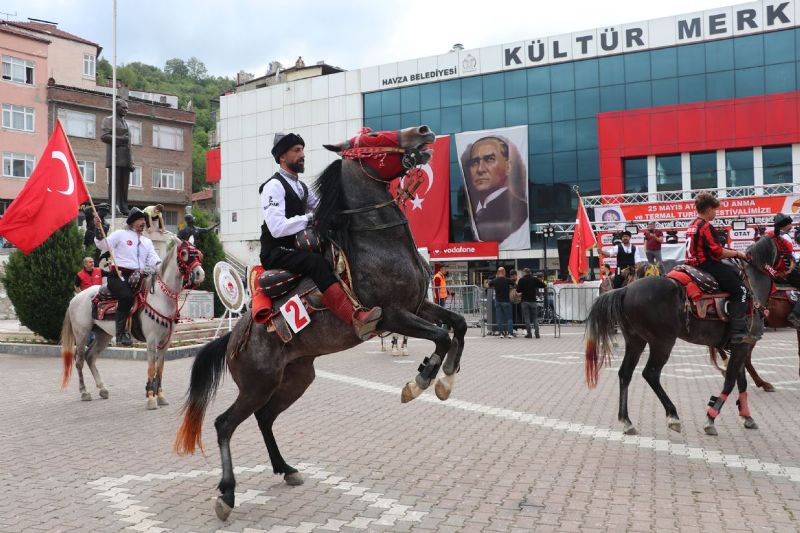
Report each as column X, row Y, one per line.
column 778, row 309
column 387, row 271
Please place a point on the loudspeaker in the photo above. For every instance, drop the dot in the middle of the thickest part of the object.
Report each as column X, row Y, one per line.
column 564, row 247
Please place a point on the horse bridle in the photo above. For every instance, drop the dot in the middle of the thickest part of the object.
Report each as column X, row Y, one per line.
column 411, row 159
column 194, row 258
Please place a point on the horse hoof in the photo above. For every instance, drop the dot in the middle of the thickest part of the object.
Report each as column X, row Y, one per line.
column 630, row 430
column 768, row 387
column 222, row 509
column 152, row 404
column 86, row 396
column 444, row 386
column 410, row 391
column 674, row 424
column 294, row 479
column 104, row 394
column 749, row 423
column 405, row 351
column 161, row 400
column 710, row 429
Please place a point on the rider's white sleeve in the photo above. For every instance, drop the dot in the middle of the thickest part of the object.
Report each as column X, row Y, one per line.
column 152, row 259
column 273, row 203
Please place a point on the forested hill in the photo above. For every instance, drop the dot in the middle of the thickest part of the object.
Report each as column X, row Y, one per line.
column 189, row 80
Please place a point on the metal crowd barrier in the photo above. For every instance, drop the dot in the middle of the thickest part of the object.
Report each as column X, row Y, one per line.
column 468, row 301
column 573, row 302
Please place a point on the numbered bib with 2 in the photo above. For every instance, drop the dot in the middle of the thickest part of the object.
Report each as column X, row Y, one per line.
column 295, row 314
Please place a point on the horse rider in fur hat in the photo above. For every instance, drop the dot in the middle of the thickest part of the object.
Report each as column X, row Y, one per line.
column 288, row 208
column 133, row 254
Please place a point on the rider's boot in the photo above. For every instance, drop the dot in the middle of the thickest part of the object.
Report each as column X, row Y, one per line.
column 794, row 316
column 123, row 337
column 363, row 321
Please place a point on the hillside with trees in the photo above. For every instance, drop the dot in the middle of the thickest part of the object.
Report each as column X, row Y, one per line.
column 190, row 82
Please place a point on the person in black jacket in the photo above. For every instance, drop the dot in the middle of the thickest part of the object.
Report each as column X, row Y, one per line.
column 502, row 289
column 529, row 287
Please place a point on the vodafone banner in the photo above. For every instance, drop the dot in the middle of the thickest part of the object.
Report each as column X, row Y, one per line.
column 754, row 210
column 428, row 212
column 464, row 251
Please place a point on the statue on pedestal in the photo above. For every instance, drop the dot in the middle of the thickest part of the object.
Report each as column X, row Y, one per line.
column 124, row 162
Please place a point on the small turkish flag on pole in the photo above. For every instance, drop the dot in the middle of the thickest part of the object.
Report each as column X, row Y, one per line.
column 49, row 200
column 582, row 240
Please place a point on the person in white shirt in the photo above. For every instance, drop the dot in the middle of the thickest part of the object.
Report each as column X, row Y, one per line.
column 627, row 256
column 132, row 252
column 288, row 209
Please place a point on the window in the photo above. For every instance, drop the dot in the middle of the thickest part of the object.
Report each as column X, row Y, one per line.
column 586, row 74
column 779, row 47
column 692, row 88
column 635, row 174
column 749, row 81
column 471, row 90
column 136, row 177
column 719, row 55
column 612, row 70
column 18, row 70
column 777, row 163
column 668, row 173
column 704, row 170
column 135, row 129
column 493, row 87
column 171, row 219
column 18, row 165
column 429, row 96
column 563, row 106
column 637, row 66
column 390, row 102
column 88, row 66
column 372, row 105
column 167, row 179
column 77, row 124
column 719, row 85
column 87, row 170
column 172, row 138
column 17, row 117
column 409, row 99
column 738, row 168
column 562, row 77
column 539, row 80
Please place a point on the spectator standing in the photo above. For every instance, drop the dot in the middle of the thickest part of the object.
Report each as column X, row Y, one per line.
column 502, row 288
column 529, row 287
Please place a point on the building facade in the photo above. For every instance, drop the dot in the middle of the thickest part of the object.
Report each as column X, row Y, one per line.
column 161, row 146
column 50, row 74
column 692, row 101
column 23, row 99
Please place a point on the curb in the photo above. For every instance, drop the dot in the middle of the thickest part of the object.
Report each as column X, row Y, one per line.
column 130, row 354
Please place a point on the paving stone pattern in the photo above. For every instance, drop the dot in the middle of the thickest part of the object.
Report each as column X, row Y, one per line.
column 522, row 445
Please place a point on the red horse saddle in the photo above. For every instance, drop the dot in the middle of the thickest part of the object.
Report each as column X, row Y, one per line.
column 702, row 293
column 104, row 305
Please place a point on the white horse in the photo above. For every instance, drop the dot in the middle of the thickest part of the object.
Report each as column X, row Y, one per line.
column 181, row 268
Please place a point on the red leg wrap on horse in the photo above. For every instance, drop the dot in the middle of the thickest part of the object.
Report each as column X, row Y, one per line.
column 715, row 405
column 744, row 406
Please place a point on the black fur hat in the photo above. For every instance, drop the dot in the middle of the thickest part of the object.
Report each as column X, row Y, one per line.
column 134, row 215
column 282, row 143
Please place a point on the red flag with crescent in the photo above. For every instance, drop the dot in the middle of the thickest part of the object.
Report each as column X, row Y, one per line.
column 582, row 240
column 50, row 198
column 428, row 210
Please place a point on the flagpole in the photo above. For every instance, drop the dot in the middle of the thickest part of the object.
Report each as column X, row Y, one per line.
column 112, row 194
column 91, row 203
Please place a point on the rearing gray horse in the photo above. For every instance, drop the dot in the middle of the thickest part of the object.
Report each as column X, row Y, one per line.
column 357, row 208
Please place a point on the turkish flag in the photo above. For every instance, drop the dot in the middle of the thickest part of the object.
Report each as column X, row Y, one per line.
column 49, row 200
column 582, row 240
column 428, row 211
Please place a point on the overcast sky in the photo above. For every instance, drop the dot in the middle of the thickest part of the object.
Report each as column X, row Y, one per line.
column 233, row 35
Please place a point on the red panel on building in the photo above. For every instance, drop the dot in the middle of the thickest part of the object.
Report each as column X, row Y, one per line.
column 698, row 127
column 213, row 166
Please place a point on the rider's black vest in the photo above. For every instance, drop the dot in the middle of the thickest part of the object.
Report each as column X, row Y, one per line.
column 295, row 206
column 625, row 259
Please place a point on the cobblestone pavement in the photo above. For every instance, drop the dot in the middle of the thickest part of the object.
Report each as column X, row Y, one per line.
column 522, row 445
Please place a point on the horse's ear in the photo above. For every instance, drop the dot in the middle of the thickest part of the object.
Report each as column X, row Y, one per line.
column 338, row 148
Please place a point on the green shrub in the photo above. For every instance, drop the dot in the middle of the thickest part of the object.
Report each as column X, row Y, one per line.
column 210, row 245
column 40, row 284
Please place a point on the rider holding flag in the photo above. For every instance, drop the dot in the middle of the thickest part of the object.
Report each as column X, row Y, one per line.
column 705, row 253
column 133, row 253
column 786, row 269
column 288, row 206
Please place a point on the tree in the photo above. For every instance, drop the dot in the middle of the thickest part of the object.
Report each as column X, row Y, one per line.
column 210, row 245
column 104, row 72
column 198, row 167
column 177, row 68
column 43, row 280
column 197, row 69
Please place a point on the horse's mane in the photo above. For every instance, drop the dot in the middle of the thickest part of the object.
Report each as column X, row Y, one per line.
column 329, row 191
column 763, row 252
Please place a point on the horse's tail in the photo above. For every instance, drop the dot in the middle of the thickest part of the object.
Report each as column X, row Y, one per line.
column 207, row 372
column 603, row 317
column 67, row 349
column 713, row 352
